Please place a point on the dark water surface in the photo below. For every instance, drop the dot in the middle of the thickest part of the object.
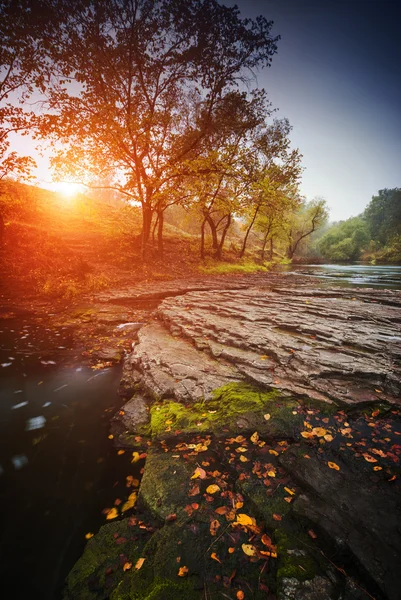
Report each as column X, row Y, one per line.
column 354, row 275
column 58, row 469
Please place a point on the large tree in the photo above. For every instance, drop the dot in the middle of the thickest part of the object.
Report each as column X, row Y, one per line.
column 135, row 83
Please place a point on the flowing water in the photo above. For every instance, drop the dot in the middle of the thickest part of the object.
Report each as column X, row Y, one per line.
column 354, row 275
column 58, row 469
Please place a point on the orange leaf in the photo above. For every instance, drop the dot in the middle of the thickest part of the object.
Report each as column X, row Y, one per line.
column 368, row 457
column 88, row 536
column 240, row 595
column 139, row 563
column 312, row 534
column 277, row 517
column 215, row 557
column 214, row 525
column 182, row 571
column 222, row 510
column 127, row 566
column 199, row 472
column 377, row 468
column 333, row 465
column 231, row 550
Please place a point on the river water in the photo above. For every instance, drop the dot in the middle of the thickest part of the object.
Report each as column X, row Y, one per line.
column 58, row 467
column 353, row 275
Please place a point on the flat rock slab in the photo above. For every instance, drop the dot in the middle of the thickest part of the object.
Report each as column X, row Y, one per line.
column 332, row 345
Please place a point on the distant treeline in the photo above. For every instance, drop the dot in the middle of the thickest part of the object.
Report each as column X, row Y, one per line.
column 373, row 235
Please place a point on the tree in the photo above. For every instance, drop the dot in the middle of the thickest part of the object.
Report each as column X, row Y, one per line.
column 137, row 85
column 302, row 223
column 383, row 215
column 345, row 241
column 273, row 171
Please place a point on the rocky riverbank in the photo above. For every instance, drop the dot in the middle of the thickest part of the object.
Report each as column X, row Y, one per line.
column 269, row 414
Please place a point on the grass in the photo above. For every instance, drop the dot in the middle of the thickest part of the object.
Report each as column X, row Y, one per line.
column 222, row 268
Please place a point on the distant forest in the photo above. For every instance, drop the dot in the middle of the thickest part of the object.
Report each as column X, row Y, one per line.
column 374, row 235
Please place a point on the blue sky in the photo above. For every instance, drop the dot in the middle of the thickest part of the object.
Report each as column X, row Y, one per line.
column 337, row 77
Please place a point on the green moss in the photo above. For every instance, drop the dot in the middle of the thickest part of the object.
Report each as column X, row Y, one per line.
column 226, row 267
column 235, row 405
column 88, row 579
column 293, row 560
column 265, row 504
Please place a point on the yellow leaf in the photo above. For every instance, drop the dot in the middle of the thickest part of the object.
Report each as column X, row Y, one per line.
column 271, row 473
column 243, row 519
column 212, row 489
column 139, row 563
column 248, row 549
column 333, row 466
column 374, row 468
column 110, row 437
column 182, row 571
column 243, row 458
column 135, row 457
column 289, row 491
column 127, row 566
column 369, row 458
column 319, row 431
column 242, row 449
column 130, row 502
column 328, row 437
column 273, row 452
column 254, row 438
column 215, row 557
column 112, row 514
column 266, row 416
column 307, row 434
column 88, row 536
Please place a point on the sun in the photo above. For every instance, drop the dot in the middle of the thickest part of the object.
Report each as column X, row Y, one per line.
column 67, row 189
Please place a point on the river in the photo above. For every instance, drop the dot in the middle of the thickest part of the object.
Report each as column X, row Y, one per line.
column 58, row 468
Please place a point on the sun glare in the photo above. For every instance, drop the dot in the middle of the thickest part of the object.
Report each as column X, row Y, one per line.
column 67, row 188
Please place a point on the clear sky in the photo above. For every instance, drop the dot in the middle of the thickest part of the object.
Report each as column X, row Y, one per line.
column 337, row 77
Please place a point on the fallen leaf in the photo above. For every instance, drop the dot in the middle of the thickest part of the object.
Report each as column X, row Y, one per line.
column 194, row 491
column 127, row 566
column 277, row 517
column 121, row 452
column 248, row 549
column 212, row 489
column 110, row 436
column 243, row 458
column 254, row 437
column 312, row 534
column 222, row 510
column 88, row 536
column 130, row 502
column 307, row 435
column 368, row 457
column 290, row 491
column 182, row 571
column 273, row 452
column 243, row 519
column 377, row 468
column 199, row 472
column 112, row 514
column 215, row 557
column 319, row 431
column 139, row 563
column 328, row 437
column 231, row 550
column 266, row 416
column 240, row 595
column 333, row 465
column 135, row 457
column 214, row 525
column 171, row 517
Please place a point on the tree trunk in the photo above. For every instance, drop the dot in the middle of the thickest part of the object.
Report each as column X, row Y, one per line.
column 147, row 214
column 271, row 248
column 160, row 217
column 202, row 248
column 154, row 228
column 248, row 231
column 219, row 252
column 2, row 232
column 213, row 230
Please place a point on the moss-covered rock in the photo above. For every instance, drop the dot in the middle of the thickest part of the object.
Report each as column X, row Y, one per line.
column 294, row 561
column 263, row 502
column 165, row 484
column 100, row 568
column 233, row 407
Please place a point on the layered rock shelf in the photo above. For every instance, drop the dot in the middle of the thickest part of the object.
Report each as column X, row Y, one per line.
column 269, row 414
